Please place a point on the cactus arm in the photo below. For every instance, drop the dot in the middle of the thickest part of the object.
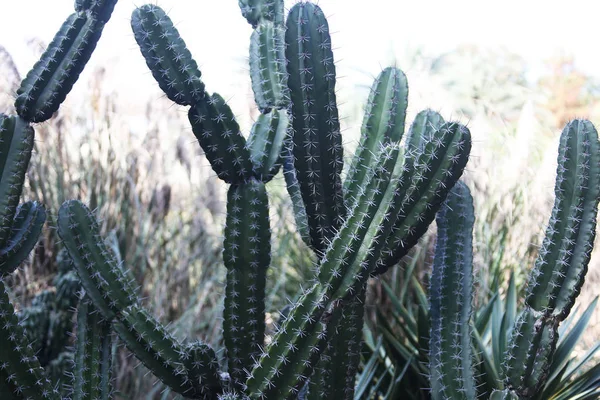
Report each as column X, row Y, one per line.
column 20, row 368
column 16, row 144
column 24, row 235
column 343, row 264
column 267, row 10
column 530, row 350
column 50, row 80
column 451, row 292
column 155, row 348
column 93, row 357
column 425, row 124
column 268, row 66
column 100, row 9
column 335, row 373
column 318, row 153
column 293, row 188
column 266, row 142
column 294, row 349
column 105, row 283
column 437, row 167
column 383, row 123
column 166, row 55
column 247, row 255
column 562, row 263
column 219, row 135
column 203, row 367
column 113, row 295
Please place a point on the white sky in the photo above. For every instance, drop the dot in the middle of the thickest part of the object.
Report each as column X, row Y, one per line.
column 366, row 33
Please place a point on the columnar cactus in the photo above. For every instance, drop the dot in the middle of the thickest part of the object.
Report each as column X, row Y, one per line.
column 392, row 195
column 553, row 284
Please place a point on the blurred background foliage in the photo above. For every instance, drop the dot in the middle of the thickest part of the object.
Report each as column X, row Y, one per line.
column 140, row 168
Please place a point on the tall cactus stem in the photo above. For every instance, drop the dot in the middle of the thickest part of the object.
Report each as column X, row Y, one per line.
column 50, row 80
column 317, row 149
column 451, row 294
column 93, row 357
column 247, row 255
column 383, row 123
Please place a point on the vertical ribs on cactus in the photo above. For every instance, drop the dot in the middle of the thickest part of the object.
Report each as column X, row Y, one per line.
column 51, row 79
column 20, row 226
column 561, row 266
column 451, row 359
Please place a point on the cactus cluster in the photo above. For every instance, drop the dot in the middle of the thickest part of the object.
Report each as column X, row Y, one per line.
column 552, row 287
column 358, row 225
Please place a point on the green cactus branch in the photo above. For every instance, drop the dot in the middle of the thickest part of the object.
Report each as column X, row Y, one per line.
column 451, row 292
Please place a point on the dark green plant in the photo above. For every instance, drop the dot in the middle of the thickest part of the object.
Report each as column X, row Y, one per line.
column 391, row 196
column 521, row 351
column 38, row 335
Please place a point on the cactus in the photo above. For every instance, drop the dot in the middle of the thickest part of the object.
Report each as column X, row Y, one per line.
column 560, row 268
column 357, row 228
column 92, row 377
column 451, row 292
column 553, row 284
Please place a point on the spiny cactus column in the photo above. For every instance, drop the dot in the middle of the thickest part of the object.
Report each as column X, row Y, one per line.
column 451, row 293
column 317, row 141
column 20, row 227
column 560, row 269
column 426, row 123
column 247, row 255
column 92, row 376
column 247, row 166
column 383, row 123
column 21, row 375
column 50, row 80
column 112, row 293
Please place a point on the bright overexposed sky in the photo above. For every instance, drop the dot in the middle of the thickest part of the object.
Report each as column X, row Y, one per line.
column 366, row 33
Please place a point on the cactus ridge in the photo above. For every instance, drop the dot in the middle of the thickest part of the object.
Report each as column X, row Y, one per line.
column 111, row 291
column 432, row 171
column 565, row 253
column 20, row 370
column 268, row 67
column 104, row 281
column 16, row 145
column 266, row 141
column 317, row 140
column 24, row 233
column 219, row 135
column 383, row 123
column 50, row 80
column 247, row 255
column 92, row 376
column 424, row 126
column 166, row 55
column 100, row 9
column 257, row 11
column 451, row 293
